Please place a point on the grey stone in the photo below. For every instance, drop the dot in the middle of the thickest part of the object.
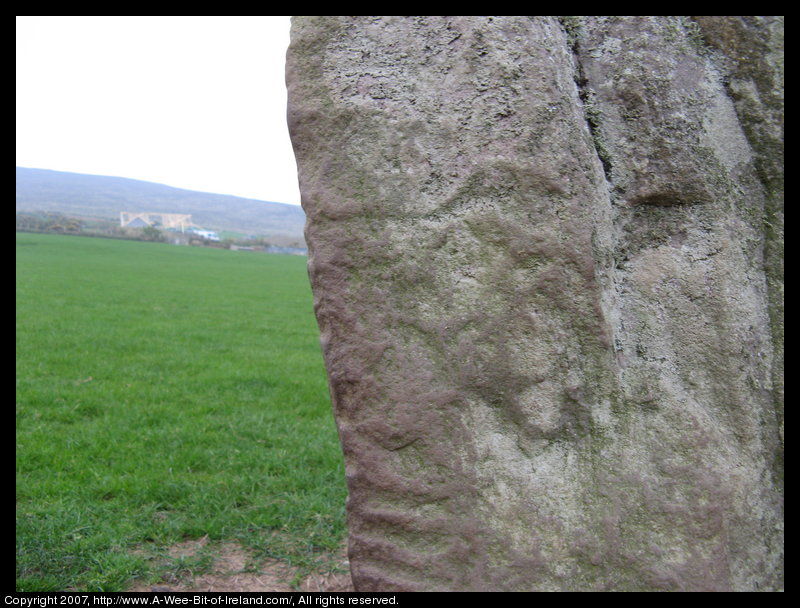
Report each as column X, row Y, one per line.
column 550, row 310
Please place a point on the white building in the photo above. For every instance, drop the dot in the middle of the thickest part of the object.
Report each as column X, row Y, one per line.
column 206, row 234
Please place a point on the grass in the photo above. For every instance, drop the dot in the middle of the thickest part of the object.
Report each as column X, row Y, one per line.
column 166, row 393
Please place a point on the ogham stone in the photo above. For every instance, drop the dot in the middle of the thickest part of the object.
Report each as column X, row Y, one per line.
column 537, row 252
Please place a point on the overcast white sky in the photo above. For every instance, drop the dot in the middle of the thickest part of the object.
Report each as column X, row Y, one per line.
column 191, row 102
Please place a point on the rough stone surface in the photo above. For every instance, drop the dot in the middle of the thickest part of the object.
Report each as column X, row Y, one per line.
column 546, row 256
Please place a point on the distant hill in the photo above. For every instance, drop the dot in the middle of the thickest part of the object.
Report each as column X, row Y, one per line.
column 98, row 196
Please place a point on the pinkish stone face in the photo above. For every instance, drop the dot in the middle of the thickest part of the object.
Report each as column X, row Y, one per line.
column 538, row 261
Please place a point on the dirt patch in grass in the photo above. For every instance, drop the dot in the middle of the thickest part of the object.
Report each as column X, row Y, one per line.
column 233, row 568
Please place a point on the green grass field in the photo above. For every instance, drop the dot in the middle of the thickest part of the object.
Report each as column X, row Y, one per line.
column 166, row 393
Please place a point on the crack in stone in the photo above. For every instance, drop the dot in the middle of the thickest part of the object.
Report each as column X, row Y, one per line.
column 591, row 113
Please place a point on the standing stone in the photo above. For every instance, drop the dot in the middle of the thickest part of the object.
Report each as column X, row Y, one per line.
column 546, row 257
